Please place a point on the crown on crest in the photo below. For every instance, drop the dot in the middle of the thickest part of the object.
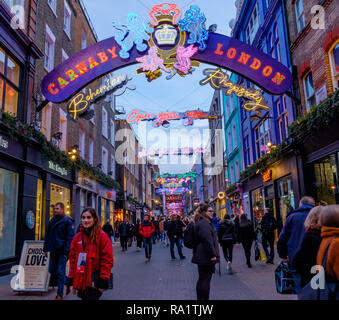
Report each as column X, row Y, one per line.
column 165, row 12
column 166, row 35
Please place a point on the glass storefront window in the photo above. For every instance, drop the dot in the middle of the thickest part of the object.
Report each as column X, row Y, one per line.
column 13, row 71
column 1, row 90
column 103, row 210
column 40, row 217
column 8, row 212
column 82, row 200
column 286, row 197
column 60, row 194
column 326, row 179
column 2, row 61
column 257, row 205
column 11, row 100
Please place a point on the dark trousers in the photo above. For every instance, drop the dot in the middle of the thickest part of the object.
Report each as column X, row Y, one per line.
column 148, row 247
column 90, row 294
column 247, row 248
column 268, row 240
column 175, row 241
column 227, row 248
column 139, row 241
column 123, row 241
column 57, row 268
column 204, row 282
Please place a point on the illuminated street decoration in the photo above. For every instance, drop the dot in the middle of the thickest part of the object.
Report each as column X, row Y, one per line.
column 180, row 178
column 81, row 102
column 220, row 80
column 129, row 43
column 184, row 61
column 171, row 190
column 174, row 151
column 158, row 119
column 194, row 23
column 135, row 32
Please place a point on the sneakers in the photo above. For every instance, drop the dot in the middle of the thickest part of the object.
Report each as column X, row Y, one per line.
column 229, row 267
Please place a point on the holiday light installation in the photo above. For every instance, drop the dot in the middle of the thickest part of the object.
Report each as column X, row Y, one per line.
column 177, row 177
column 174, row 151
column 182, row 44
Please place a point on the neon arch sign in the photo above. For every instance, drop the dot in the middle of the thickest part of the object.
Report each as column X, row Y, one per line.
column 182, row 48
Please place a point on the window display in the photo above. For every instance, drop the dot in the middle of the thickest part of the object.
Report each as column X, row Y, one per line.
column 8, row 213
column 40, row 217
column 286, row 197
column 60, row 194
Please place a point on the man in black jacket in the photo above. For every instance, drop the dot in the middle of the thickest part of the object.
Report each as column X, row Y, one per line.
column 58, row 240
column 124, row 232
column 268, row 226
column 174, row 233
column 108, row 229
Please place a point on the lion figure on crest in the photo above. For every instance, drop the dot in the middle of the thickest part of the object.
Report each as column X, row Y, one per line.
column 135, row 32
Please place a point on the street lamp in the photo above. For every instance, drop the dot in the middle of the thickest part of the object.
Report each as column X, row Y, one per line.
column 74, row 152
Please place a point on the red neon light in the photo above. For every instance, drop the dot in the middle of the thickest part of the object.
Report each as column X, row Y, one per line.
column 218, row 51
column 112, row 52
column 103, row 57
column 256, row 64
column 52, row 90
column 161, row 9
column 92, row 63
column 82, row 68
column 267, row 71
column 63, row 83
column 231, row 53
column 244, row 58
column 278, row 79
column 71, row 75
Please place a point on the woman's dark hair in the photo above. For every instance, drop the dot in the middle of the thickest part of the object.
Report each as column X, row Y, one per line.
column 201, row 212
column 243, row 221
column 94, row 231
column 227, row 217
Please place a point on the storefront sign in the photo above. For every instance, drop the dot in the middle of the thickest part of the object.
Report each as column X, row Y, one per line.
column 81, row 102
column 56, row 168
column 267, row 176
column 107, row 193
column 158, row 119
column 158, row 49
column 87, row 183
column 3, row 143
column 30, row 220
column 33, row 269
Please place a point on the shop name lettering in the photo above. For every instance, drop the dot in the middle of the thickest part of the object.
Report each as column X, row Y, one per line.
column 36, row 257
column 220, row 80
column 3, row 143
column 58, row 169
column 82, row 101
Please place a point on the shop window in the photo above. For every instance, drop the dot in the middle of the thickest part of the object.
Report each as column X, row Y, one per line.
column 103, row 211
column 257, row 205
column 39, row 217
column 285, row 197
column 9, row 84
column 60, row 194
column 8, row 213
column 299, row 14
column 334, row 59
column 67, row 19
column 83, row 199
column 309, row 91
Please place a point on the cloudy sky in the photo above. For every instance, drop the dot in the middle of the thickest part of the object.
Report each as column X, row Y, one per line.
column 161, row 95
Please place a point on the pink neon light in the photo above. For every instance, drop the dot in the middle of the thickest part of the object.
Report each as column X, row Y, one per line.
column 151, row 61
column 183, row 57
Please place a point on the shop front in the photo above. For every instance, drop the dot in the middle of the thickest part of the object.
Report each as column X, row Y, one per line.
column 106, row 204
column 130, row 212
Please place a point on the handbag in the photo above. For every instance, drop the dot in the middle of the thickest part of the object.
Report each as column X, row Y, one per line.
column 96, row 280
column 331, row 286
column 284, row 280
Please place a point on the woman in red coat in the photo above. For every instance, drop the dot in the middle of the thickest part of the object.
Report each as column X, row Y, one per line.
column 91, row 258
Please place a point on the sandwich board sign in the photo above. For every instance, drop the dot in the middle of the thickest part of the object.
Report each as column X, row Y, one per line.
column 32, row 272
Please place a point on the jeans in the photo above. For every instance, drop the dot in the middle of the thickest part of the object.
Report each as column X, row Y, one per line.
column 247, row 248
column 139, row 241
column 227, row 248
column 268, row 239
column 148, row 247
column 297, row 280
column 123, row 241
column 204, row 282
column 175, row 241
column 57, row 266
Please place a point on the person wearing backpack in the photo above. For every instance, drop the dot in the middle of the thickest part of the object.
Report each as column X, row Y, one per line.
column 268, row 226
column 206, row 250
column 227, row 240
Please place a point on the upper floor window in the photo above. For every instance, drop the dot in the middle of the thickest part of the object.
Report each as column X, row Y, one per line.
column 53, row 4
column 104, row 123
column 12, row 3
column 83, row 40
column 309, row 91
column 253, row 25
column 299, row 14
column 91, row 150
column 64, row 56
column 82, row 143
column 282, row 118
column 67, row 19
column 234, row 133
column 49, row 49
column 63, row 129
column 262, row 138
column 104, row 160
column 247, row 156
column 9, row 84
column 334, row 58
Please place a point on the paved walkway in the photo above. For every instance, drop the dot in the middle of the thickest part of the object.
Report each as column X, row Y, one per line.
column 163, row 279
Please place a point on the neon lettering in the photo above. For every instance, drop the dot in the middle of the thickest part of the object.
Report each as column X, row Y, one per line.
column 244, row 58
column 63, row 83
column 52, row 90
column 77, row 105
column 72, row 75
column 112, row 52
column 82, row 68
column 103, row 57
column 231, row 53
column 267, row 71
column 278, row 79
column 92, row 63
column 218, row 51
column 256, row 64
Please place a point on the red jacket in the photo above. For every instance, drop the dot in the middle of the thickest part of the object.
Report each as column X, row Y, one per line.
column 99, row 259
column 146, row 229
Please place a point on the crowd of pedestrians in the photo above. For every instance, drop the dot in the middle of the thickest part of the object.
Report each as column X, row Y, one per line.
column 308, row 238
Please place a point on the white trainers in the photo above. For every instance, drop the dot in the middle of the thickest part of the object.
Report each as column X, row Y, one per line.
column 229, row 267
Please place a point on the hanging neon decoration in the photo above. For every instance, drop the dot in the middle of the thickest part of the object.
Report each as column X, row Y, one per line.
column 171, row 190
column 174, row 151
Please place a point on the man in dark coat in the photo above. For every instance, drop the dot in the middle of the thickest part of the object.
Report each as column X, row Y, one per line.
column 124, row 232
column 268, row 226
column 108, row 229
column 58, row 240
column 175, row 230
column 292, row 235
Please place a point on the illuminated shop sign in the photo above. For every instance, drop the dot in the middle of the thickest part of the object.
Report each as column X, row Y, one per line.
column 220, row 80
column 158, row 119
column 57, row 168
column 81, row 102
column 164, row 44
column 174, row 151
column 267, row 176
